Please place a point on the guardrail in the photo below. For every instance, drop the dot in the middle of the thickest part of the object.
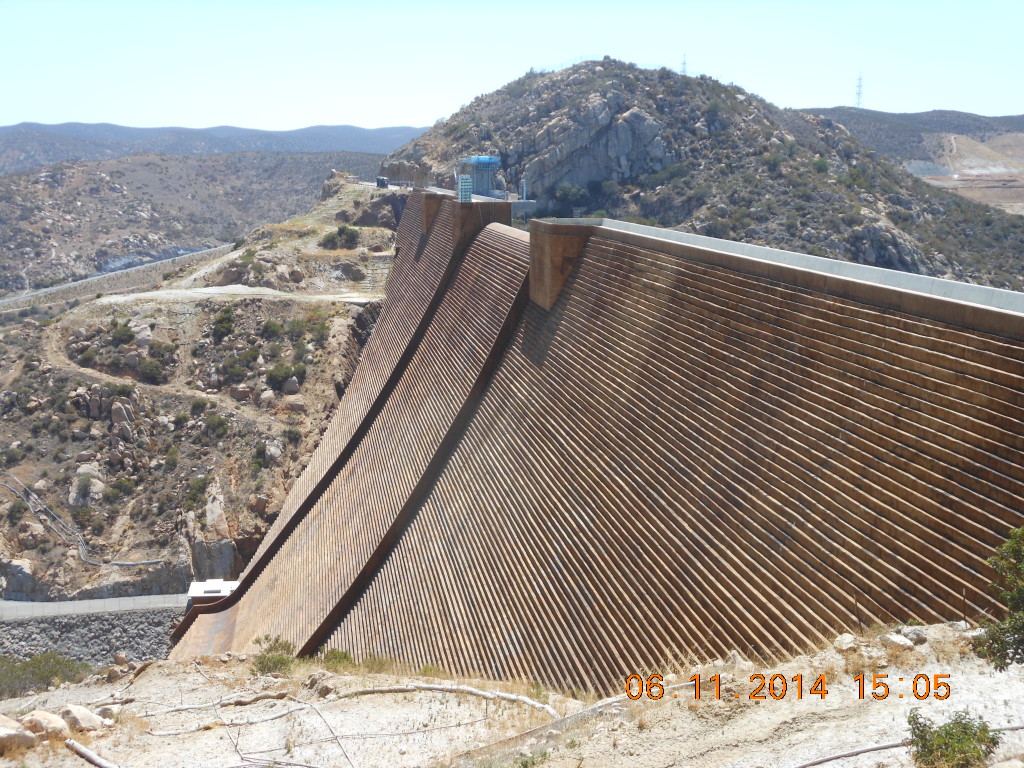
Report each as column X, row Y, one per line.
column 124, row 277
column 16, row 609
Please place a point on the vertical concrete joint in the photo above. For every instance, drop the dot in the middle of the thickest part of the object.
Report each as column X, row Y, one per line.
column 470, row 218
column 431, row 205
column 554, row 251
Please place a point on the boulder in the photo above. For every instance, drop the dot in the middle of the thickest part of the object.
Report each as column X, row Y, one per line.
column 296, row 275
column 845, row 642
column 241, row 392
column 20, row 576
column 119, row 658
column 291, row 387
column 266, row 398
column 273, row 453
column 109, row 711
column 79, row 718
column 296, row 404
column 894, row 641
column 30, row 534
column 42, row 722
column 916, row 635
column 13, row 735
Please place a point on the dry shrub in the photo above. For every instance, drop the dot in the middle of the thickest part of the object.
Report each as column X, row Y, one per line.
column 130, row 724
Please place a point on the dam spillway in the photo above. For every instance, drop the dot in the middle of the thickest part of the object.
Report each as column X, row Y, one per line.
column 597, row 449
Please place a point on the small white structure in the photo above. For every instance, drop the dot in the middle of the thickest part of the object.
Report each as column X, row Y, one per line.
column 200, row 592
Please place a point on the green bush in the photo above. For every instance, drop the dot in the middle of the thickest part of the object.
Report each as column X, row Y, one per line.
column 272, row 330
column 195, row 496
column 216, row 425
column 278, row 375
column 1003, row 641
column 963, row 742
column 16, row 510
column 38, row 673
column 171, row 459
column 296, row 329
column 151, row 371
column 292, row 435
column 121, row 334
column 198, row 406
column 223, row 324
column 84, row 485
column 345, row 237
column 276, row 655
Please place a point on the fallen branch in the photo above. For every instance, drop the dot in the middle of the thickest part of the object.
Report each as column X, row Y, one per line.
column 88, row 755
column 139, row 670
column 228, row 723
column 410, row 687
column 227, row 701
column 333, row 732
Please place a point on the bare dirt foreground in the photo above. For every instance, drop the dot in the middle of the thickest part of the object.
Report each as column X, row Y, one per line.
column 214, row 712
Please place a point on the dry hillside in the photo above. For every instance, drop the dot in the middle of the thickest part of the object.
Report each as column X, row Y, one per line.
column 167, row 424
column 75, row 219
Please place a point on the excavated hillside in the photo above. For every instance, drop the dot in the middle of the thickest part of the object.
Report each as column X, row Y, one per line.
column 703, row 157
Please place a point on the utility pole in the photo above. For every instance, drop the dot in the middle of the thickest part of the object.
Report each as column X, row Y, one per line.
column 683, row 71
column 860, row 89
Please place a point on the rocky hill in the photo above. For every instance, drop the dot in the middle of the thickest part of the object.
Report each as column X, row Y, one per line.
column 71, row 220
column 148, row 438
column 30, row 145
column 700, row 156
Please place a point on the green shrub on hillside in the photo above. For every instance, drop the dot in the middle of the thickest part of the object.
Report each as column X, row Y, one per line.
column 963, row 742
column 38, row 673
column 276, row 655
column 345, row 237
column 1003, row 641
column 223, row 324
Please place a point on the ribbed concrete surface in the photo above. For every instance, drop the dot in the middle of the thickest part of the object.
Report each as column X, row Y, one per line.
column 341, row 532
column 677, row 460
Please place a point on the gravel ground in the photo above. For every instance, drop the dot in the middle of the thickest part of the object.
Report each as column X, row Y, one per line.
column 318, row 726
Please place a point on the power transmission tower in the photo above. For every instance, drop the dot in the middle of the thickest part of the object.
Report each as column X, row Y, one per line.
column 860, row 89
column 683, row 71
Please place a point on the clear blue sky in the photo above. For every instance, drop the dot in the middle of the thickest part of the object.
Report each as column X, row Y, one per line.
column 289, row 64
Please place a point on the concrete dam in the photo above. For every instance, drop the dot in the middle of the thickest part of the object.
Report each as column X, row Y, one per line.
column 597, row 449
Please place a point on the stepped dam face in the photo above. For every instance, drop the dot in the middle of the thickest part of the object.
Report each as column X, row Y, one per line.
column 599, row 449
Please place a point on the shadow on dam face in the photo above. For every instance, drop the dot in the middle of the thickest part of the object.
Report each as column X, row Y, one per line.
column 675, row 448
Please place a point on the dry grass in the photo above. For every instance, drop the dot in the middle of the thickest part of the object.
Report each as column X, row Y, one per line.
column 951, row 649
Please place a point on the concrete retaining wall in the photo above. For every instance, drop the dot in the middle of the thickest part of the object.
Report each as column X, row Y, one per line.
column 113, row 282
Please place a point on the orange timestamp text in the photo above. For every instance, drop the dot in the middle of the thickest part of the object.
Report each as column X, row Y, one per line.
column 765, row 687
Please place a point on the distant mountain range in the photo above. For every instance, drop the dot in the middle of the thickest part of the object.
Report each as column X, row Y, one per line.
column 905, row 136
column 981, row 158
column 30, row 145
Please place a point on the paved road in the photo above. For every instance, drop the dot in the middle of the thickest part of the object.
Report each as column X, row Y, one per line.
column 171, row 262
column 13, row 609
